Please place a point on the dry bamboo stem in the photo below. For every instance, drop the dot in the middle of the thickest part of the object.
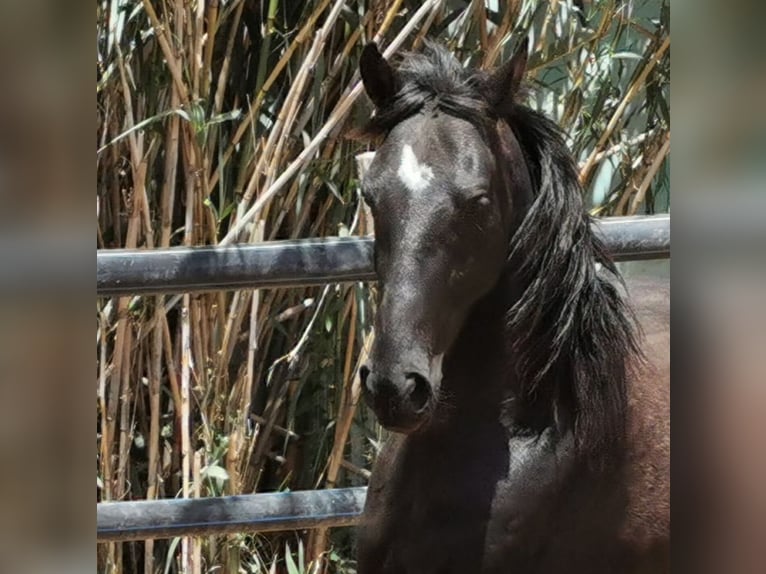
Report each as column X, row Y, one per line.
column 614, row 120
column 549, row 15
column 196, row 551
column 185, row 419
column 195, row 45
column 647, row 181
column 480, row 15
column 363, row 472
column 289, row 110
column 119, row 387
column 105, row 444
column 424, row 29
column 318, row 540
column 255, row 108
column 186, row 350
column 167, row 50
column 277, row 429
column 345, row 53
column 212, row 29
column 347, row 411
column 344, row 106
column 155, row 375
column 223, row 75
column 252, row 347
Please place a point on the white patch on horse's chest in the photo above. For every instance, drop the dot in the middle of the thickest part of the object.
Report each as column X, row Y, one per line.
column 416, row 176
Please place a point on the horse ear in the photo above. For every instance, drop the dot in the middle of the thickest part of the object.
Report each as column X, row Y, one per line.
column 378, row 76
column 503, row 83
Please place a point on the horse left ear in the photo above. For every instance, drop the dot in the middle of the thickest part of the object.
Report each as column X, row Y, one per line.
column 378, row 77
column 503, row 83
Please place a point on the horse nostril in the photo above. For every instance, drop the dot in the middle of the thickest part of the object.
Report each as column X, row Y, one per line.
column 421, row 391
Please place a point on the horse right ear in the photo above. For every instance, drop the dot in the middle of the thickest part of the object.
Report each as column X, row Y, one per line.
column 378, row 76
column 503, row 83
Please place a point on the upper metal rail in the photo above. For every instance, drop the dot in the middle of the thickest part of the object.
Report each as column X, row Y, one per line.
column 310, row 261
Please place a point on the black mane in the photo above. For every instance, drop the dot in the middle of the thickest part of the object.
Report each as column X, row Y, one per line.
column 571, row 323
column 571, row 335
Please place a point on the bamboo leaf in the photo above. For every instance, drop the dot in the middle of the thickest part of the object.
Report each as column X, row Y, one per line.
column 216, row 472
column 141, row 125
column 292, row 568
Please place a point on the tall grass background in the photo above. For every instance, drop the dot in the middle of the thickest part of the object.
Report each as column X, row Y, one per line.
column 224, row 122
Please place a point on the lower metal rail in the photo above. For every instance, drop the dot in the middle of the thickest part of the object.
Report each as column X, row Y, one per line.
column 147, row 519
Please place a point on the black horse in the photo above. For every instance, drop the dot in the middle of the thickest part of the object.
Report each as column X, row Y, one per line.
column 530, row 412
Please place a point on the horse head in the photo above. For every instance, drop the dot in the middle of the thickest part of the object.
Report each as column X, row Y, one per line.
column 447, row 188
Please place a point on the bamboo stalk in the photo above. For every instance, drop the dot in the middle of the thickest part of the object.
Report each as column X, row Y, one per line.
column 153, row 470
column 649, row 177
column 252, row 347
column 277, row 429
column 338, row 114
column 186, row 558
column 196, row 46
column 496, row 41
column 301, row 37
column 363, row 472
column 388, row 20
column 349, row 401
column 223, row 75
column 289, row 109
column 626, row 99
column 550, row 13
column 170, row 56
column 420, row 36
column 196, row 551
column 480, row 17
column 105, row 454
column 263, row 57
column 119, row 388
column 212, row 31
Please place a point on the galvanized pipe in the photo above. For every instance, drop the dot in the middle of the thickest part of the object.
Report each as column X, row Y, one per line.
column 147, row 519
column 636, row 238
column 309, row 261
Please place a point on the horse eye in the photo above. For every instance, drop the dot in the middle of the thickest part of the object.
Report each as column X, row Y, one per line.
column 479, row 197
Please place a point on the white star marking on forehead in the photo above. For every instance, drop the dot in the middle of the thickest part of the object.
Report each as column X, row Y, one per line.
column 414, row 175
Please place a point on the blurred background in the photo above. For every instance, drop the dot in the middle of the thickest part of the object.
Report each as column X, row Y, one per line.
column 208, row 111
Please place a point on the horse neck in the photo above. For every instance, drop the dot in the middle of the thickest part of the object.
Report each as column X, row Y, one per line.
column 478, row 370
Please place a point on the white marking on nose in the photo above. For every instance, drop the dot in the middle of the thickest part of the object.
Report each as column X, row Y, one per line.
column 416, row 176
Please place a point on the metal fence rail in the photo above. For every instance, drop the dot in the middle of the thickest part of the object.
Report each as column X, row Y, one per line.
column 309, row 262
column 145, row 519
